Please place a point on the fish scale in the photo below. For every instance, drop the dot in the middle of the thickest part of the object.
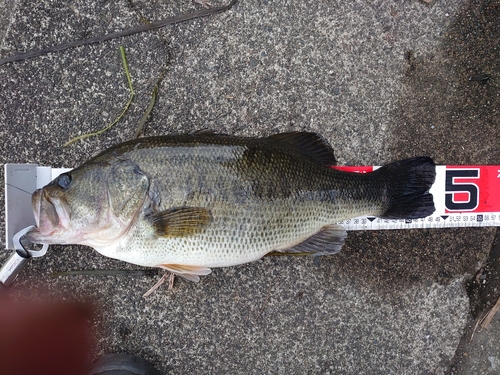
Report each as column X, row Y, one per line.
column 189, row 203
column 225, row 190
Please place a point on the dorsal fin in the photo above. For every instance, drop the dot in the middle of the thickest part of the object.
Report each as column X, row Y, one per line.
column 309, row 144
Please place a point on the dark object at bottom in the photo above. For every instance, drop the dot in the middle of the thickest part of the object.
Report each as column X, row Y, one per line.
column 122, row 364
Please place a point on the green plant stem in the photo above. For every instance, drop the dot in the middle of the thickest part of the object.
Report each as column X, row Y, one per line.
column 125, row 109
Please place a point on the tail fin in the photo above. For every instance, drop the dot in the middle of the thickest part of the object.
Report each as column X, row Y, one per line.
column 407, row 188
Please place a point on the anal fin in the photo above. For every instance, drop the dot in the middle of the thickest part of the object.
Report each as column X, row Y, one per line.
column 329, row 240
column 191, row 273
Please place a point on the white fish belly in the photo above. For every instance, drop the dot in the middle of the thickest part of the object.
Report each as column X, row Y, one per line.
column 236, row 235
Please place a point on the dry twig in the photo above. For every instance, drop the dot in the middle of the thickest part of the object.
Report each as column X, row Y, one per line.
column 489, row 317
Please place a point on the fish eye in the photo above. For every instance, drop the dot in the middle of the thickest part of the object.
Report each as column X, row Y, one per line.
column 63, row 181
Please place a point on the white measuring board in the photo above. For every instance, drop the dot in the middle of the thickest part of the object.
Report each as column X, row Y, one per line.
column 464, row 196
column 21, row 180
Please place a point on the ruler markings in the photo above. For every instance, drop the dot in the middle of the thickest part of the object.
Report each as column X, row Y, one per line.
column 464, row 196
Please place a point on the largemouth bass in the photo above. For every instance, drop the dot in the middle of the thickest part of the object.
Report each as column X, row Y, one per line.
column 188, row 203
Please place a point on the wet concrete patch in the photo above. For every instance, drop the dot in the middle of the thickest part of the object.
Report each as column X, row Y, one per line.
column 423, row 256
column 391, row 302
column 450, row 110
column 450, row 107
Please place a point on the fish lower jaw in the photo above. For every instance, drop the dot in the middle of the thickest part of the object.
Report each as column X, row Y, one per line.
column 53, row 237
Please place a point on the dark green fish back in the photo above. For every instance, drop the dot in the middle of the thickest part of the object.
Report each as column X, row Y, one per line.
column 256, row 195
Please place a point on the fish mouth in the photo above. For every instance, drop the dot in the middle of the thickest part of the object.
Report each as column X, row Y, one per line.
column 52, row 216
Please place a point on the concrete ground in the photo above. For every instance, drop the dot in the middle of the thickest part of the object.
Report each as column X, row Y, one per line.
column 380, row 80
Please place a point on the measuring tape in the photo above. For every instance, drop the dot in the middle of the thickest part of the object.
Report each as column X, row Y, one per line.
column 464, row 196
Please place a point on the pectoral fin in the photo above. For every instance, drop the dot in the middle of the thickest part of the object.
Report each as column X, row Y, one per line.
column 328, row 240
column 191, row 273
column 180, row 221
